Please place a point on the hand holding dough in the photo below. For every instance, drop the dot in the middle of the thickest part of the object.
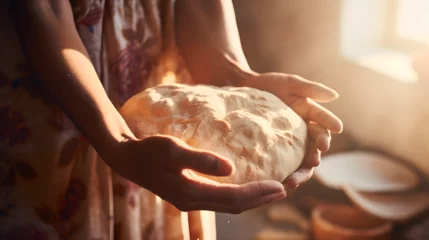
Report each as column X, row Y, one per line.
column 264, row 138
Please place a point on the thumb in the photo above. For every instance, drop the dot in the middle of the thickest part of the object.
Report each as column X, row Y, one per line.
column 204, row 162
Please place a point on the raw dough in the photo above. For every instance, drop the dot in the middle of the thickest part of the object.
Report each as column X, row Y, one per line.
column 262, row 136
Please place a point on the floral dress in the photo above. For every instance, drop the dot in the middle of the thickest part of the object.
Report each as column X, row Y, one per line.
column 53, row 185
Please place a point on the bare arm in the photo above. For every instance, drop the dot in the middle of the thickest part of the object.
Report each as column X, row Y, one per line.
column 208, row 38
column 53, row 48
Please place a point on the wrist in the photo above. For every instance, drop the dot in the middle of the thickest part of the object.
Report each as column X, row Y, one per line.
column 111, row 136
column 233, row 73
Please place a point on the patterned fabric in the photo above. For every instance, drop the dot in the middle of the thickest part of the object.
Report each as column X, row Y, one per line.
column 52, row 183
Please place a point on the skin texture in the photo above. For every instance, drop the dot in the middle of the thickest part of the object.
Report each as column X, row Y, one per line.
column 209, row 29
column 52, row 46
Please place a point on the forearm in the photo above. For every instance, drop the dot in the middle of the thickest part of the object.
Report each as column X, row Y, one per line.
column 208, row 39
column 53, row 48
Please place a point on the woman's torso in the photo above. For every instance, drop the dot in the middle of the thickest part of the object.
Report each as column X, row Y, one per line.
column 47, row 170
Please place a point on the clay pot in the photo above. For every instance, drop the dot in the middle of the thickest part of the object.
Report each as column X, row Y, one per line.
column 366, row 172
column 399, row 207
column 343, row 222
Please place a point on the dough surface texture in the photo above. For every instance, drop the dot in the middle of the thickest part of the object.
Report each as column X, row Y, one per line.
column 262, row 136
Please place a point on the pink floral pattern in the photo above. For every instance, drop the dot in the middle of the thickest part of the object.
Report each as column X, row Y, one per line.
column 68, row 152
column 71, row 203
column 74, row 197
column 94, row 15
column 13, row 130
column 25, row 232
column 6, row 168
column 35, row 89
column 123, row 189
column 134, row 63
column 4, row 80
column 25, row 170
column 39, row 167
column 129, row 70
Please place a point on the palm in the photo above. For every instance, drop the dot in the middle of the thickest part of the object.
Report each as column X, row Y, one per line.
column 302, row 96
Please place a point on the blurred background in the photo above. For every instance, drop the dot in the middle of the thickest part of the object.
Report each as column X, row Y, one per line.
column 375, row 53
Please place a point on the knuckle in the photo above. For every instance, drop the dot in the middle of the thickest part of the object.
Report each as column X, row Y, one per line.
column 301, row 102
column 328, row 134
column 306, row 101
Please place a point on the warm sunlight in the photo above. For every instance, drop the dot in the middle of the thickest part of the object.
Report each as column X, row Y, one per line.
column 387, row 37
column 214, row 119
column 413, row 20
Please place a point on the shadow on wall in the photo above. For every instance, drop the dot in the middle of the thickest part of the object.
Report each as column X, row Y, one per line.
column 304, row 37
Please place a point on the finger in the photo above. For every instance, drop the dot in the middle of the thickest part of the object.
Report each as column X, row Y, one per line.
column 182, row 156
column 304, row 173
column 321, row 136
column 205, row 162
column 301, row 176
column 193, row 192
column 236, row 198
column 312, row 111
column 312, row 158
column 314, row 90
column 225, row 208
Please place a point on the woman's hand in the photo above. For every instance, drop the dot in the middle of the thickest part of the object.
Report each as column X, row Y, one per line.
column 156, row 163
column 302, row 96
column 208, row 38
column 165, row 166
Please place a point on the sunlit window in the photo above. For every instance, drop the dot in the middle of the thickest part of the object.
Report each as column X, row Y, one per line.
column 412, row 20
